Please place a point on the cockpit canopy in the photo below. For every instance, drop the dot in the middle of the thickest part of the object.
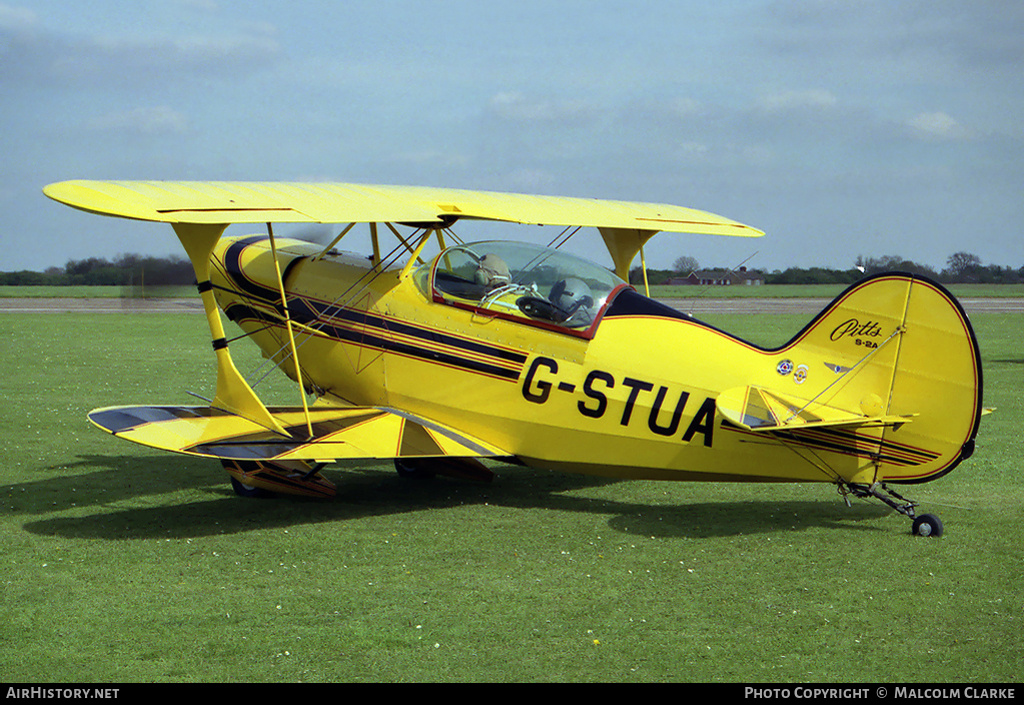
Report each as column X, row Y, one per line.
column 520, row 280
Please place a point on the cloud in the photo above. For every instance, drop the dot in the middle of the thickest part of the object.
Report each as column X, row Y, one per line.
column 17, row 19
column 905, row 44
column 798, row 100
column 938, row 126
column 209, row 6
column 517, row 107
column 33, row 55
column 154, row 121
column 103, row 59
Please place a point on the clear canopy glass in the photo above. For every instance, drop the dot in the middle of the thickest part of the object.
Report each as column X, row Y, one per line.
column 523, row 280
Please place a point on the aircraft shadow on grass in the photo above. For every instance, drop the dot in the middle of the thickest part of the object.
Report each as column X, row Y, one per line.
column 368, row 492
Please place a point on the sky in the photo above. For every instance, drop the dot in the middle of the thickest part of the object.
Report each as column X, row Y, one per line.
column 843, row 129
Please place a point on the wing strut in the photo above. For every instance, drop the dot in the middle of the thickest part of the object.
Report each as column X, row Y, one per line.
column 291, row 330
column 643, row 266
column 623, row 245
column 233, row 393
column 334, row 242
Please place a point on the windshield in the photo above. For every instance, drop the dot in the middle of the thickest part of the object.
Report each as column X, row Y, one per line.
column 526, row 281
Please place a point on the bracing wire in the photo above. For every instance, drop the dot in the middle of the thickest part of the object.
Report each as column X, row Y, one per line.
column 705, row 289
column 564, row 237
column 353, row 291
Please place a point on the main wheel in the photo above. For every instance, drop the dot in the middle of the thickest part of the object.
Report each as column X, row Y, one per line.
column 243, row 490
column 413, row 469
column 927, row 525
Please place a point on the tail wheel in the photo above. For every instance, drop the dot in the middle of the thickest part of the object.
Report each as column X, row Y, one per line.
column 924, row 525
column 927, row 525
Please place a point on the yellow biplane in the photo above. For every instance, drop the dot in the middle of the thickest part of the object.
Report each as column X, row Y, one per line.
column 520, row 353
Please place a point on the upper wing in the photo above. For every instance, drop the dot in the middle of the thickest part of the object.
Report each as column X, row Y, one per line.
column 263, row 202
column 339, row 433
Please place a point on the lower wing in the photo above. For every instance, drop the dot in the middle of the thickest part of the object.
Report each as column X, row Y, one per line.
column 338, row 433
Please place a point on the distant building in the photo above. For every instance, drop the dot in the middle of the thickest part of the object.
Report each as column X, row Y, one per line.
column 719, row 277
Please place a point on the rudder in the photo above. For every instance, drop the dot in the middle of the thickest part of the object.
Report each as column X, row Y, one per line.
column 897, row 344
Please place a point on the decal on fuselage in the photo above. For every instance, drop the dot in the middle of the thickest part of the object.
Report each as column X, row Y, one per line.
column 541, row 379
column 863, row 333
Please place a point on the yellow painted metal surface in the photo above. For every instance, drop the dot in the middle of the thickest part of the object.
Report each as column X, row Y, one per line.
column 648, row 395
column 261, row 202
column 349, row 432
column 434, row 360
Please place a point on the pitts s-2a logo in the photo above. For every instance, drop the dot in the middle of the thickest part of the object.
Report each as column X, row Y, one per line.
column 862, row 333
column 538, row 384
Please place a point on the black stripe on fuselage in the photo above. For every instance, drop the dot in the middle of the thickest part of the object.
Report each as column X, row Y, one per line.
column 848, row 443
column 239, row 312
column 313, row 313
column 233, row 265
column 391, row 325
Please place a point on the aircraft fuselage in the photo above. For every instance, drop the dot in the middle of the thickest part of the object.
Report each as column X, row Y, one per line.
column 628, row 392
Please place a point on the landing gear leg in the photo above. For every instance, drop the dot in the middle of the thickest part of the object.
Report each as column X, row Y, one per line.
column 924, row 525
column 263, row 478
column 460, row 468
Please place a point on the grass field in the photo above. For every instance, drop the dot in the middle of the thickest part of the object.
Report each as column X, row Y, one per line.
column 124, row 565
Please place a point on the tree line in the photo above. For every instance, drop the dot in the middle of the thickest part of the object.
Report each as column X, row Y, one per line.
column 138, row 270
column 961, row 268
column 126, row 270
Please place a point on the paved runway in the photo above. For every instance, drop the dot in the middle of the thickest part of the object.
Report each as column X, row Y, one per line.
column 696, row 306
column 19, row 305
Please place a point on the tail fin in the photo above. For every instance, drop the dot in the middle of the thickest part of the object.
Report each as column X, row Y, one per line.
column 892, row 346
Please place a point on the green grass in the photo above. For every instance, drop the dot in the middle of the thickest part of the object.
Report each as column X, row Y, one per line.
column 120, row 564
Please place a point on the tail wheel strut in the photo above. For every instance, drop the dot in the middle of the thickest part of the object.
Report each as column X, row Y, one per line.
column 923, row 525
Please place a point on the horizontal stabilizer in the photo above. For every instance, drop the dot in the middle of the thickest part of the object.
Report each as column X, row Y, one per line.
column 338, row 433
column 758, row 409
